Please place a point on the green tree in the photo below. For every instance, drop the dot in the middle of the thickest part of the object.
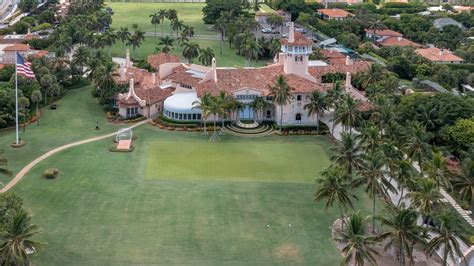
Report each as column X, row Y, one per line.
column 251, row 49
column 347, row 113
column 176, row 25
column 259, row 105
column 155, row 20
column 24, row 103
column 162, row 14
column 358, row 244
column 348, row 153
column 123, row 35
column 280, row 92
column 36, row 98
column 4, row 165
column 166, row 42
column 136, row 39
column 17, row 238
column 191, row 51
column 206, row 56
column 437, row 170
column 425, row 197
column 275, row 20
column 463, row 182
column 318, row 103
column 415, row 147
column 204, row 104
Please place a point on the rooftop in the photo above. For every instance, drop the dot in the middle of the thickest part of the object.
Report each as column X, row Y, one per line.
column 300, row 39
column 334, row 12
column 397, row 41
column 383, row 32
column 438, row 55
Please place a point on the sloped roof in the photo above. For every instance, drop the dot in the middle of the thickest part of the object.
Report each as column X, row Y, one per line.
column 437, row 55
column 398, row 41
column 334, row 12
column 300, row 39
column 384, row 32
column 17, row 47
column 156, row 60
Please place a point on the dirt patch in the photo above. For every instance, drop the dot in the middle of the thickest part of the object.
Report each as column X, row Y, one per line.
column 289, row 253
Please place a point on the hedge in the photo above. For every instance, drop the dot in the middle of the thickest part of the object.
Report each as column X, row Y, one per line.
column 469, row 67
column 51, row 173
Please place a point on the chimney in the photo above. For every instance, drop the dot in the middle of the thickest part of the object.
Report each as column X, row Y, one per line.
column 441, row 51
column 214, row 69
column 326, row 4
column 122, row 73
column 127, row 58
column 29, row 31
column 348, row 80
column 399, row 38
column 131, row 89
column 291, row 35
column 348, row 61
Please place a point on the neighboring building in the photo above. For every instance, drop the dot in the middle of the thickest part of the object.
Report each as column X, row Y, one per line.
column 176, row 86
column 440, row 23
column 389, row 38
column 334, row 13
column 441, row 56
column 340, row 1
column 18, row 38
column 8, row 53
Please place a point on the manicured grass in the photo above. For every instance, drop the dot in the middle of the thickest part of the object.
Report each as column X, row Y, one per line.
column 75, row 119
column 266, row 8
column 235, row 161
column 103, row 210
column 227, row 59
column 126, row 14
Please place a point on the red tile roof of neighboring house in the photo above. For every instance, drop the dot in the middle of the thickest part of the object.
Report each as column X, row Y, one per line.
column 40, row 53
column 156, row 60
column 300, row 39
column 17, row 47
column 398, row 41
column 256, row 78
column 438, row 55
column 332, row 54
column 334, row 12
column 384, row 33
column 356, row 66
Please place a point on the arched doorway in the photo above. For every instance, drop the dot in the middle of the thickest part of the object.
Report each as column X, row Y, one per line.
column 298, row 118
column 268, row 114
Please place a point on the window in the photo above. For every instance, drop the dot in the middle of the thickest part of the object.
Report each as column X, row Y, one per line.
column 298, row 118
column 269, row 98
column 194, row 116
column 180, row 116
column 299, row 98
column 199, row 116
column 269, row 114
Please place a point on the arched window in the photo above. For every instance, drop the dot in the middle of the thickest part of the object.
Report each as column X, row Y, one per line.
column 269, row 114
column 298, row 118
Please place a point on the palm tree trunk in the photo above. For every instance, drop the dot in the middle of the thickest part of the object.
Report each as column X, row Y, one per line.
column 162, row 27
column 342, row 217
column 281, row 117
column 37, row 115
column 373, row 209
column 155, row 30
column 317, row 123
column 221, row 42
column 205, row 128
column 24, row 119
column 401, row 195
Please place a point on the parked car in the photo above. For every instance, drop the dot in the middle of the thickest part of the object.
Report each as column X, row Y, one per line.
column 266, row 30
column 312, row 38
column 53, row 106
column 303, row 31
column 285, row 35
column 275, row 32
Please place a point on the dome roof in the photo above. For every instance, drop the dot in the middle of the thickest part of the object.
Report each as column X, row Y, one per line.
column 182, row 103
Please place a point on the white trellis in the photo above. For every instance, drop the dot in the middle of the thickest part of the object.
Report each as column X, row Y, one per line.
column 124, row 134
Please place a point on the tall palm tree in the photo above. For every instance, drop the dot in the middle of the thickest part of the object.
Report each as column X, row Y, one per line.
column 221, row 27
column 335, row 189
column 415, row 147
column 191, row 51
column 348, row 113
column 206, row 56
column 425, row 197
column 402, row 231
column 80, row 58
column 370, row 139
column 176, row 25
column 166, row 42
column 171, row 14
column 24, row 103
column 358, row 244
column 374, row 74
column 109, row 38
column 464, row 182
column 437, row 170
column 372, row 176
column 259, row 105
column 225, row 102
column 204, row 104
column 251, row 49
column 162, row 14
column 123, row 35
column 275, row 20
column 216, row 108
column 280, row 92
column 348, row 154
column 188, row 31
column 136, row 39
column 448, row 232
column 403, row 172
column 4, row 165
column 36, row 98
column 155, row 20
column 17, row 238
column 318, row 103
column 183, row 39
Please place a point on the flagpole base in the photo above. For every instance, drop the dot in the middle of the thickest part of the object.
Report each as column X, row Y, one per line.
column 20, row 144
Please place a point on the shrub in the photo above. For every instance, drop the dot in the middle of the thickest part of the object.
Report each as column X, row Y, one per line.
column 51, row 173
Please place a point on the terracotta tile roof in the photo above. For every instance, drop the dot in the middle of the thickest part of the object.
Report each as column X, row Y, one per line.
column 334, row 12
column 355, row 67
column 180, row 75
column 332, row 54
column 300, row 39
column 398, row 41
column 256, row 78
column 384, row 32
column 17, row 47
column 437, row 55
column 40, row 53
column 156, row 60
column 154, row 95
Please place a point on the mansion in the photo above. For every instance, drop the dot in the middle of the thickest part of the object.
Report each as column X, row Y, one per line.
column 176, row 87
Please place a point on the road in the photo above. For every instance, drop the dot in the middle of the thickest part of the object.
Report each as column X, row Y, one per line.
column 196, row 36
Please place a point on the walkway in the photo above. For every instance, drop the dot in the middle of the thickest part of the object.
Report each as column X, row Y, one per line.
column 32, row 164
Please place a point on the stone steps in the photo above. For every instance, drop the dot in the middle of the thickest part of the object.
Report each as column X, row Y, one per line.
column 260, row 131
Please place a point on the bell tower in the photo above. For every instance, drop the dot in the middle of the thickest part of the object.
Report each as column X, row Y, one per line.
column 296, row 50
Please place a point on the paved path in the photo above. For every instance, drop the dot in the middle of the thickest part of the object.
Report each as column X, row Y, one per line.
column 32, row 164
column 196, row 36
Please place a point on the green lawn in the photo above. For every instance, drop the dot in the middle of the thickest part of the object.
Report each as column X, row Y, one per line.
column 227, row 59
column 126, row 14
column 177, row 199
column 266, row 8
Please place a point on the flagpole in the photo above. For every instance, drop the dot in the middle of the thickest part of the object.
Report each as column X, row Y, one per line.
column 16, row 98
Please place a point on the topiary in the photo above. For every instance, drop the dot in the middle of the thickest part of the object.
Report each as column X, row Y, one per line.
column 51, row 173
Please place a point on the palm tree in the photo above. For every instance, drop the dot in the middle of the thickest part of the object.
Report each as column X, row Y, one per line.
column 256, row 5
column 370, row 139
column 17, row 238
column 80, row 58
column 204, row 104
column 109, row 39
column 191, row 51
column 259, row 105
column 425, row 197
column 415, row 147
column 171, row 14
column 206, row 56
column 280, row 93
column 333, row 187
column 24, row 102
column 428, row 118
column 136, row 39
column 176, row 25
column 183, row 39
column 123, row 35
column 464, row 182
column 188, row 31
column 318, row 103
column 403, row 172
column 167, row 42
column 375, row 73
column 372, row 175
column 348, row 153
column 251, row 49
column 357, row 243
column 36, row 98
column 376, row 25
column 225, row 101
column 162, row 14
column 348, row 113
column 402, row 231
column 4, row 165
column 448, row 232
column 216, row 108
column 155, row 20
column 221, row 26
column 275, row 20
column 437, row 170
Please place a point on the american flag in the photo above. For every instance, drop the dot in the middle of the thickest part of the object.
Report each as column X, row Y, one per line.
column 23, row 67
